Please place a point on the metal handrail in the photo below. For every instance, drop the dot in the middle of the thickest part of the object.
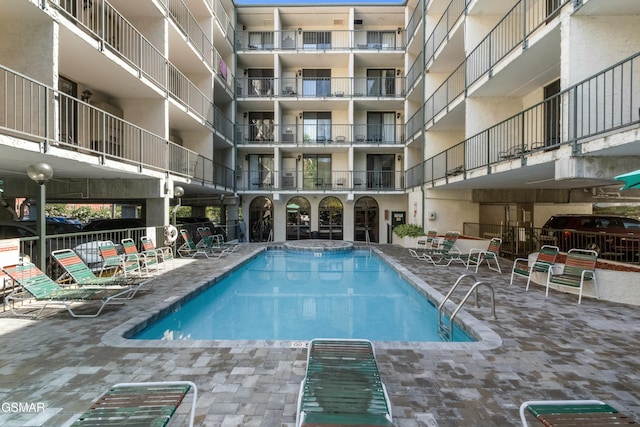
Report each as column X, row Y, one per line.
column 447, row 331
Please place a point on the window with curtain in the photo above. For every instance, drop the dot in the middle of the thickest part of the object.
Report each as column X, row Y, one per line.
column 261, row 40
column 381, row 127
column 381, row 82
column 260, row 82
column 261, row 126
column 261, row 170
column 317, row 126
column 380, row 170
column 316, row 82
column 316, row 171
column 381, row 39
column 316, row 40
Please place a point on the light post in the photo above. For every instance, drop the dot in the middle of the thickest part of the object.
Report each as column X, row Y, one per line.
column 41, row 173
column 177, row 192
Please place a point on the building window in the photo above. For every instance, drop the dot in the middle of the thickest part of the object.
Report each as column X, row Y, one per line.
column 381, row 82
column 317, row 126
column 381, row 127
column 316, row 40
column 317, row 171
column 316, row 82
column 381, row 39
column 330, row 217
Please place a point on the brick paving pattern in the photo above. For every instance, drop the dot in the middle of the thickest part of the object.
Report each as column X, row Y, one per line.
column 552, row 348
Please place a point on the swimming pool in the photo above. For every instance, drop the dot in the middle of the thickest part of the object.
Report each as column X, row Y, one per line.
column 284, row 295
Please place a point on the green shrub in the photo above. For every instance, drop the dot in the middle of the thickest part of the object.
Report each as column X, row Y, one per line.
column 409, row 230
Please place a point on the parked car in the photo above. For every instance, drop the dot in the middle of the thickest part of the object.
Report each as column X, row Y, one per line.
column 113, row 224
column 107, row 229
column 605, row 234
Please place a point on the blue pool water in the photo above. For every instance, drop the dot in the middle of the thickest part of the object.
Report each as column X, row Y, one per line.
column 282, row 295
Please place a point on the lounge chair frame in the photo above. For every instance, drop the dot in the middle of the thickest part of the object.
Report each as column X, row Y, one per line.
column 164, row 254
column 190, row 249
column 573, row 413
column 477, row 256
column 39, row 287
column 543, row 264
column 446, row 251
column 342, row 386
column 579, row 268
column 146, row 403
column 113, row 261
column 82, row 276
column 145, row 259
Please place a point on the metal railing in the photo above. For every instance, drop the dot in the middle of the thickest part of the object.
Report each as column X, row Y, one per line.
column 108, row 26
column 513, row 31
column 455, row 10
column 520, row 240
column 295, row 40
column 415, row 72
column 320, row 87
column 602, row 103
column 414, row 21
column 264, row 132
column 46, row 116
column 329, row 181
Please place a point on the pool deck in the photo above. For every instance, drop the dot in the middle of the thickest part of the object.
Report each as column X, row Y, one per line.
column 549, row 348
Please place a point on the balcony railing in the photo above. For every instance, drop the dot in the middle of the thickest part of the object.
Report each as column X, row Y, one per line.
column 321, row 87
column 299, row 180
column 602, row 103
column 266, row 132
column 443, row 28
column 511, row 32
column 414, row 73
column 108, row 26
column 295, row 40
column 35, row 112
column 414, row 21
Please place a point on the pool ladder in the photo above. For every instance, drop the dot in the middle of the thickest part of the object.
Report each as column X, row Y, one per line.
column 446, row 331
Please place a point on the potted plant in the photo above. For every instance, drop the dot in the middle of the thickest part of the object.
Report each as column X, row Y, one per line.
column 408, row 235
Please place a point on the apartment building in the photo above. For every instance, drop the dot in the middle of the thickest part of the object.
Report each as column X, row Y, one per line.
column 328, row 121
column 124, row 100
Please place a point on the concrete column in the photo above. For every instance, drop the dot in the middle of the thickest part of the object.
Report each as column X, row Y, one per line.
column 199, row 211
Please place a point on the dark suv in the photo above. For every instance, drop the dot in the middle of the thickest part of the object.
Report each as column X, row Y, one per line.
column 610, row 235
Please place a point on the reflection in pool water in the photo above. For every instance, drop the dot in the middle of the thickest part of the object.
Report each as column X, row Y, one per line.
column 282, row 295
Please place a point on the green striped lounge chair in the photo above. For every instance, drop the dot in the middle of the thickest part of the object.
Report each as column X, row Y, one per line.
column 477, row 256
column 145, row 259
column 342, row 386
column 579, row 268
column 446, row 251
column 544, row 262
column 35, row 285
column 573, row 413
column 112, row 261
column 164, row 254
column 189, row 248
column 152, row 404
column 81, row 274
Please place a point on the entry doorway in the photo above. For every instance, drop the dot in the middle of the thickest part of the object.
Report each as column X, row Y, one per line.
column 367, row 220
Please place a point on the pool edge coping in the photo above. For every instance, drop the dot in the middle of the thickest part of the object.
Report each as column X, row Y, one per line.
column 486, row 338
